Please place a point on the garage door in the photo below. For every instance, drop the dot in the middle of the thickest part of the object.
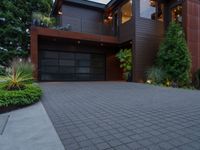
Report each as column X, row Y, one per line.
column 67, row 66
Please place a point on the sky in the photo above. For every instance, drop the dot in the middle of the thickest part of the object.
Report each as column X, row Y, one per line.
column 101, row 1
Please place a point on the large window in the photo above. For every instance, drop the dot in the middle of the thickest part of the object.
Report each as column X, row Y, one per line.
column 151, row 9
column 126, row 12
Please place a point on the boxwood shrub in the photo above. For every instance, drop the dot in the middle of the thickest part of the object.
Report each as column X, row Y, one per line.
column 29, row 95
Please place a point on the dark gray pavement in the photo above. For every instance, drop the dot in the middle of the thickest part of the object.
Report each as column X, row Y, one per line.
column 123, row 116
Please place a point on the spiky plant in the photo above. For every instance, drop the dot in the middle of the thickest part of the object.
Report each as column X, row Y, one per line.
column 19, row 73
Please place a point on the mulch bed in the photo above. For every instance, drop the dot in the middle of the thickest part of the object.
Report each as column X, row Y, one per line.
column 9, row 108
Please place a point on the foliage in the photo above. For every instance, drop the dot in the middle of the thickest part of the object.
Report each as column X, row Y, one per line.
column 41, row 20
column 15, row 33
column 37, row 16
column 125, row 58
column 155, row 75
column 173, row 56
column 197, row 79
column 2, row 71
column 7, row 56
column 30, row 94
column 19, row 73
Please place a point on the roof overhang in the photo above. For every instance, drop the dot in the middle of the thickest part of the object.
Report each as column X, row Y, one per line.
column 86, row 3
column 98, row 6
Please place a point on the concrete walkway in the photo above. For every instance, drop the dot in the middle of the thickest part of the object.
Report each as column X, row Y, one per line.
column 123, row 116
column 29, row 129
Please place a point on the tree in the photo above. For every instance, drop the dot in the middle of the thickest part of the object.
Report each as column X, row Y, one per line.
column 15, row 33
column 174, row 57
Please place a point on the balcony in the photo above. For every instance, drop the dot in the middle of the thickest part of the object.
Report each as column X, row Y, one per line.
column 86, row 26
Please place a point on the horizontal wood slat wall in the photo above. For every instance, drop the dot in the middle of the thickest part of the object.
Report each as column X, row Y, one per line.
column 148, row 35
column 193, row 31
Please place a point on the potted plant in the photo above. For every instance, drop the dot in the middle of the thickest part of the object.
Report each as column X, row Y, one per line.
column 37, row 18
column 125, row 58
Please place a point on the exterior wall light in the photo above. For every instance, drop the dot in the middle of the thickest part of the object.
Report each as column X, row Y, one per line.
column 60, row 13
column 149, row 81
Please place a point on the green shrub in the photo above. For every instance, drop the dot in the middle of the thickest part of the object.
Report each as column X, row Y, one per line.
column 19, row 73
column 173, row 56
column 197, row 79
column 29, row 95
column 125, row 58
column 155, row 75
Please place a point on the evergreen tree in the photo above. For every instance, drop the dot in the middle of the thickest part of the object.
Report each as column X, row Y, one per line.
column 15, row 33
column 174, row 57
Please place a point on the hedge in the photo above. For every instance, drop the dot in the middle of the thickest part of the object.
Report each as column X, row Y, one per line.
column 29, row 95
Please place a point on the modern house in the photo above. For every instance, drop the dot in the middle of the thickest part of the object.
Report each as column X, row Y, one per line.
column 95, row 32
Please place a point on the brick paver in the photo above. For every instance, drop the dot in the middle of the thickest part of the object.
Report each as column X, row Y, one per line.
column 123, row 116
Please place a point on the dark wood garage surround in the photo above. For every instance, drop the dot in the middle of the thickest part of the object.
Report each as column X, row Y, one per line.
column 71, row 56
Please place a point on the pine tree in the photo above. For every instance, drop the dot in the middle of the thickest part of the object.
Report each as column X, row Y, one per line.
column 174, row 57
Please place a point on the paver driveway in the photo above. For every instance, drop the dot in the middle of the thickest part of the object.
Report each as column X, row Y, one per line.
column 121, row 116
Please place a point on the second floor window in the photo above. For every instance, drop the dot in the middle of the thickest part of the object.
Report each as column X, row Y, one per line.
column 151, row 9
column 126, row 12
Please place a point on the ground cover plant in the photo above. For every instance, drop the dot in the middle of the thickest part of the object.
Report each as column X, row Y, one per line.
column 155, row 75
column 29, row 95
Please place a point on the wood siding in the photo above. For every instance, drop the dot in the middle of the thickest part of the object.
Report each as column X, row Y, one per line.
column 193, row 31
column 126, row 31
column 148, row 35
column 85, row 20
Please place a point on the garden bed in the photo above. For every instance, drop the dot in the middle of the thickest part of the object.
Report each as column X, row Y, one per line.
column 10, row 100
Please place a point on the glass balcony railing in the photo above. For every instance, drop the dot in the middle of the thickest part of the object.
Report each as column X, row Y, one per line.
column 86, row 26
